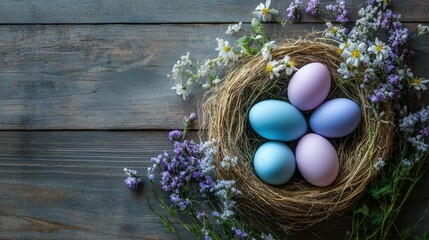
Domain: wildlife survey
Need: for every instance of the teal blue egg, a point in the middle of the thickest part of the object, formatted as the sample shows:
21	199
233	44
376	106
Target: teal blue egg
336	118
274	163
277	120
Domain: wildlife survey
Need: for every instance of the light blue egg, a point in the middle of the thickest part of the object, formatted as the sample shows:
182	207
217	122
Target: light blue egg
274	163
277	120
336	118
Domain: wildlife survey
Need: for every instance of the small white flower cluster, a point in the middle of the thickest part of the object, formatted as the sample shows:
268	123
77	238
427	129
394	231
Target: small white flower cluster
263	11
225	190
208	150
234	28
422	30
179	72
228	162
379	164
369	21
267	236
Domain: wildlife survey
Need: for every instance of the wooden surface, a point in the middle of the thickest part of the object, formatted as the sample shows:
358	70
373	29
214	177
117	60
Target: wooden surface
102	65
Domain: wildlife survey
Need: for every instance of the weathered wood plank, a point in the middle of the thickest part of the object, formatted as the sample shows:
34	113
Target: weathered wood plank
109	76
165	11
69	185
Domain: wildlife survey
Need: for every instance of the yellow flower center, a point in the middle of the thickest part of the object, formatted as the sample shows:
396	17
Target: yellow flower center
269	68
340	51
265	10
334	30
355	53
385	1
417	80
378	48
226	48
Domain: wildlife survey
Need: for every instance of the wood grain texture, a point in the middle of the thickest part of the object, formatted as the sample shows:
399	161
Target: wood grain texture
69	185
166	11
110	76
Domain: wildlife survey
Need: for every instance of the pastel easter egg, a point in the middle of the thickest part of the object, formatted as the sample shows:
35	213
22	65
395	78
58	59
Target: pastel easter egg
309	86
336	118
317	160
274	163
277	120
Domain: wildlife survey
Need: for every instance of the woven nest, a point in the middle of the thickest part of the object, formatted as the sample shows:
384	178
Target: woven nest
297	204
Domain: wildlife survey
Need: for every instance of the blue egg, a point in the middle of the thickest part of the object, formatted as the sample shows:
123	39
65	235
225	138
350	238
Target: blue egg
336	118
277	120
274	163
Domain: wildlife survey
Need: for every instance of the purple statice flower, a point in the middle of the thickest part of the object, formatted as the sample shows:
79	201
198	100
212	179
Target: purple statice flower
292	10
183	204
239	233
426	131
201	216
393	79
371	2
415	122
399	35
175	135
206	184
339	10
183	168
313	7
133	178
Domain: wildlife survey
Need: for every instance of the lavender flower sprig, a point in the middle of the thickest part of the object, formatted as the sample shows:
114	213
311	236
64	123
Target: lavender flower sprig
313	7
133	180
339	10
187	176
293	10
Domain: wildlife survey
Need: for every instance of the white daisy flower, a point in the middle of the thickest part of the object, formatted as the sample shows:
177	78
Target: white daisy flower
273	68
343	46
419	83
266	50
355	54
181	90
263	11
333	31
289	65
344	71
234	28
380	49
225	50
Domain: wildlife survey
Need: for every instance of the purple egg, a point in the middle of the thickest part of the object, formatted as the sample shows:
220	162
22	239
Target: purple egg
317	160
309	86
336	118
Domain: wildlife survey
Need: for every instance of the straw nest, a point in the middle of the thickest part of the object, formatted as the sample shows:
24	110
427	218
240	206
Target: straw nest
297	204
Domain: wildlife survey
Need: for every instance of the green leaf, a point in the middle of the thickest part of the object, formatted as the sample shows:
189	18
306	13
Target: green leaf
381	191
244	41
376	218
257	27
363	210
406	233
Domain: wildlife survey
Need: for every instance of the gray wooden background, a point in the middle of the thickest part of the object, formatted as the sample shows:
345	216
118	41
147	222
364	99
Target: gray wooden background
84	93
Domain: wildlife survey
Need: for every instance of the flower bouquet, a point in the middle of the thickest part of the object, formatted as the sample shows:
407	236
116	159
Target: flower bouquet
374	154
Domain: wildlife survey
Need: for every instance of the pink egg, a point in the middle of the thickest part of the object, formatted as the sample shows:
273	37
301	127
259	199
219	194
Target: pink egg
317	160
309	86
